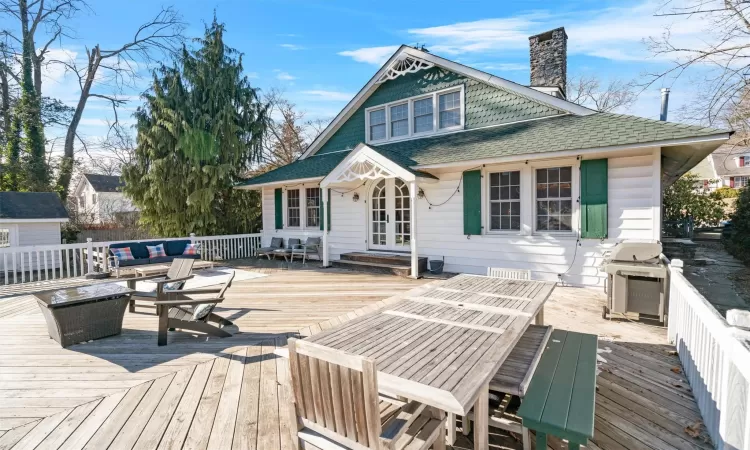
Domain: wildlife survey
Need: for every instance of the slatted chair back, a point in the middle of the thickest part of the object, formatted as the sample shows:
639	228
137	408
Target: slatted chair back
202	312
180	268
277	242
336	394
513	274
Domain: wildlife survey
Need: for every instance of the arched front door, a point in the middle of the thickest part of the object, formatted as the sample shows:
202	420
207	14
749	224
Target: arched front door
390	215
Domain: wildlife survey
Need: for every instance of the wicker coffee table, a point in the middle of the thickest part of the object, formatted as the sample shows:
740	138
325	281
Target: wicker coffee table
84	313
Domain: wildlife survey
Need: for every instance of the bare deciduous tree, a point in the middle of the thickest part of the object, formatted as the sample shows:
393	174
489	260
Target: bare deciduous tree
721	55
115	69
289	133
113	152
587	91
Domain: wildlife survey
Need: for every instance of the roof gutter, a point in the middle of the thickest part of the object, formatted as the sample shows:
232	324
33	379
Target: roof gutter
563	153
255	187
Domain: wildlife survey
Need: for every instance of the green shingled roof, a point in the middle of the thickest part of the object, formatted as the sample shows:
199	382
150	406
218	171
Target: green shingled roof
554	134
312	167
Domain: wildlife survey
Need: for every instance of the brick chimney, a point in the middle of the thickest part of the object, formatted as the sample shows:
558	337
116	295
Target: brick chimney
548	53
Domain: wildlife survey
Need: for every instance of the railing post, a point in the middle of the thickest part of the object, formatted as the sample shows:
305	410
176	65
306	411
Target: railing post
673	307
192	238
89	256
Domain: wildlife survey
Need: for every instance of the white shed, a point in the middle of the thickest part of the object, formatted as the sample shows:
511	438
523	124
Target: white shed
30	218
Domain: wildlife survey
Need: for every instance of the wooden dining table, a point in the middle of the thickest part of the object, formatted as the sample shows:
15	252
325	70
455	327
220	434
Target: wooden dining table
443	342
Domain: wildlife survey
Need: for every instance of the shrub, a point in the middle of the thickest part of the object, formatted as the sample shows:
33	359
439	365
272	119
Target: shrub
725	192
681	200
738	242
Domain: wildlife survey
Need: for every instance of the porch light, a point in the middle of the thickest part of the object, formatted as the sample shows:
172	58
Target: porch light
355	197
420	193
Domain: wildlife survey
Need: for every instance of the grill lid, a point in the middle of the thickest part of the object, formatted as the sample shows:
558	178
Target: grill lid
635	250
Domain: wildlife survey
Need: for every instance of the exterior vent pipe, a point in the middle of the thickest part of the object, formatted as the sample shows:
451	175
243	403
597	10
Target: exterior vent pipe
664	104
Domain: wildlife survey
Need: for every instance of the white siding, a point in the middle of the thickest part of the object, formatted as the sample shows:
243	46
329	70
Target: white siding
30	234
633	210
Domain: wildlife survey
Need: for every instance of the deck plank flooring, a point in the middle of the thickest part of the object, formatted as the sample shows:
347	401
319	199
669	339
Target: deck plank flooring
124	392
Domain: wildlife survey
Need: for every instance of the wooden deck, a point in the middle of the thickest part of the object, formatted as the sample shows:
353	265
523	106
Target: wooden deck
125	392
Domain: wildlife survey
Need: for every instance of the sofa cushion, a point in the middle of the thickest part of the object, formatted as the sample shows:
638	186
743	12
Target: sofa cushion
189	256
156	251
122	253
175	248
134	262
161	260
139	250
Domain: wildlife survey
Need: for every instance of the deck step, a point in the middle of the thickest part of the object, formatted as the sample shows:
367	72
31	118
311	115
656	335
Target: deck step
384	258
372	267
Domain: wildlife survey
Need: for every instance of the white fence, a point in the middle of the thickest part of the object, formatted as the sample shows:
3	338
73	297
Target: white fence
716	359
51	262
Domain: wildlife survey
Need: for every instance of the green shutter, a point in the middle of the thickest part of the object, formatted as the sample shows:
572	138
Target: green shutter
594	198
278	209
329	211
473	202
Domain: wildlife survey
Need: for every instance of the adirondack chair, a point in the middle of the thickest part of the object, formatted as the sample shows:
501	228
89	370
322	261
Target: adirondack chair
337	405
177	275
181	310
276	244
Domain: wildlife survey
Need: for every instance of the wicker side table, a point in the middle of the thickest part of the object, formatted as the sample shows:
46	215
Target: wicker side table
84	313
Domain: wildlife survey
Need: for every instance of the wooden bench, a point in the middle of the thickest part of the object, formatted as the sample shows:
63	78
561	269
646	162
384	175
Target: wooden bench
560	399
513	379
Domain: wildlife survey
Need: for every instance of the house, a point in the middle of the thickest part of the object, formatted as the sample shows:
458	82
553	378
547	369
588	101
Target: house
434	159
732	165
99	199
30	218
708	179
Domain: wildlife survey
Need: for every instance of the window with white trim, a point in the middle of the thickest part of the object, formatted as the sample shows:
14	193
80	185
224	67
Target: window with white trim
740	182
400	120
422	115
377	124
505	201
4	237
554	201
450	110
292	208
313	207
438	112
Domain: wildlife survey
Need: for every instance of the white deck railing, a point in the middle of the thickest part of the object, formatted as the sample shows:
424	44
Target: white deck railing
50	262
716	359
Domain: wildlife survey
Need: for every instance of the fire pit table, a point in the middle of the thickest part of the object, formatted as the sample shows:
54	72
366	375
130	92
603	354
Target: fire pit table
84	313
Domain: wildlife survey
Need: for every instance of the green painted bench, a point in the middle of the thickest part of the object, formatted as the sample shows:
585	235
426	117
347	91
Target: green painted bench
560	399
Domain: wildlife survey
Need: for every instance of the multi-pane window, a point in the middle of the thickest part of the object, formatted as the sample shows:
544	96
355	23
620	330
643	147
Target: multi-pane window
400	120
423	115
313	207
4	237
449	106
554	201
740	182
505	201
292	208
377	124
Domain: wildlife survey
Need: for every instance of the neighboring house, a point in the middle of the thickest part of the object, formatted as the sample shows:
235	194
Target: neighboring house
99	199
732	165
29	218
708	179
440	160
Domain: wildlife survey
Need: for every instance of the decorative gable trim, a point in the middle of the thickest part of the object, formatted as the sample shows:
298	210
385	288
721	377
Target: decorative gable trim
406	52
364	164
403	65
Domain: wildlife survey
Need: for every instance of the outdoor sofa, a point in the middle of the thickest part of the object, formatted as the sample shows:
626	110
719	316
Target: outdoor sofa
173	249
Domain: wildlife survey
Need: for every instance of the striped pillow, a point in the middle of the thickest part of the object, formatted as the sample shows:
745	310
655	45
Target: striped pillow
156	251
122	254
191	249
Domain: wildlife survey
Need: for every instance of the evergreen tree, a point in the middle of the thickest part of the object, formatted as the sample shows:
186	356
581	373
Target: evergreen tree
200	129
738	242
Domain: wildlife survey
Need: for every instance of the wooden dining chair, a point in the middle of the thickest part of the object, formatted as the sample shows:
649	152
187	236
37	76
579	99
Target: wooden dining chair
337	405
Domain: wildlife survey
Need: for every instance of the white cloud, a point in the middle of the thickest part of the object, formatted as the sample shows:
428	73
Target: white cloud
479	36
252	75
371	55
291	46
284	76
334	96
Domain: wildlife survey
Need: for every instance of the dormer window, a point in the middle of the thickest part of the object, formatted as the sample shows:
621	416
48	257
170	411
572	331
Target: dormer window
419	116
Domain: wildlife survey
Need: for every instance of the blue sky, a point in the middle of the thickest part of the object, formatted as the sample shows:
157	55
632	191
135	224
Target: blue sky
320	53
